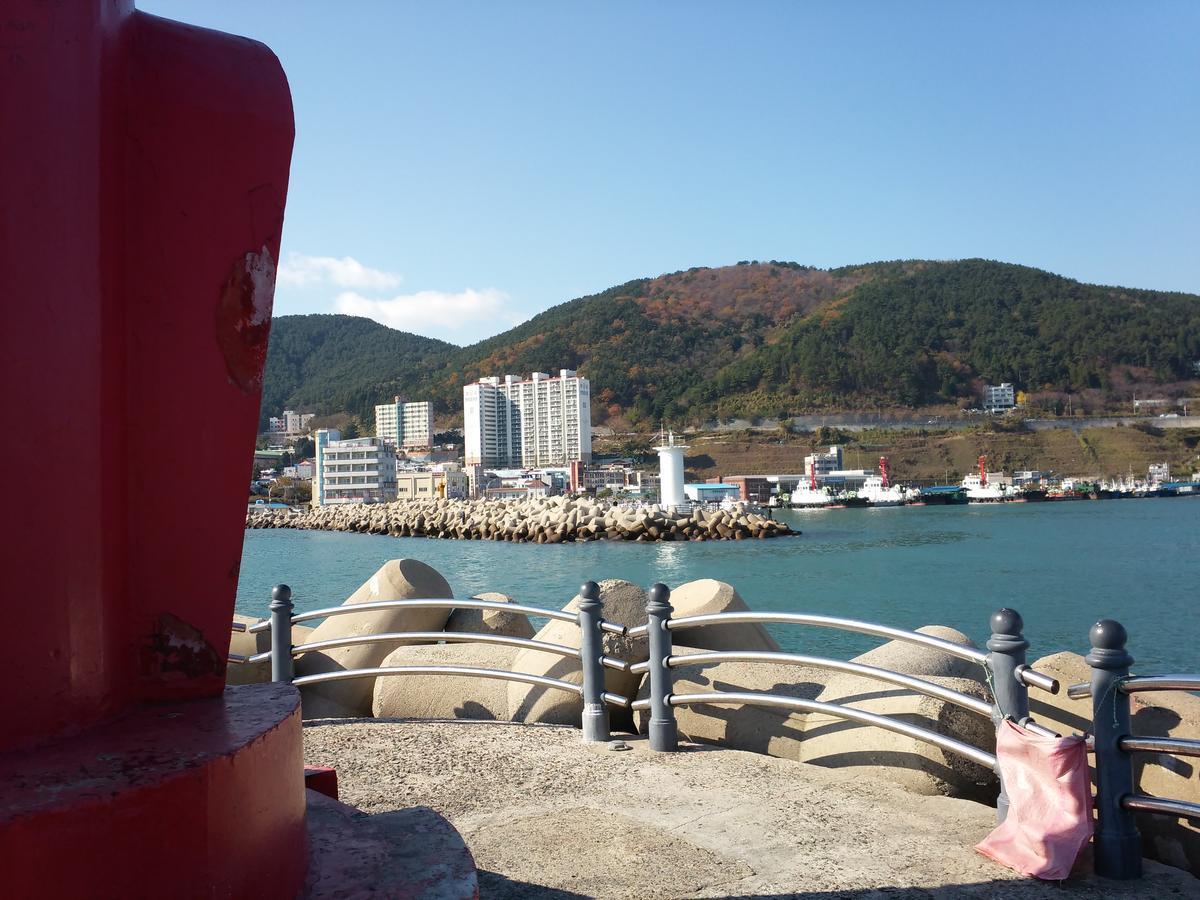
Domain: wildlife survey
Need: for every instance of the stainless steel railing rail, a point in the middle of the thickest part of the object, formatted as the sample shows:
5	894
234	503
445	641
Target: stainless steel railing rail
1027	675
469	671
752	698
449	637
975	704
439	603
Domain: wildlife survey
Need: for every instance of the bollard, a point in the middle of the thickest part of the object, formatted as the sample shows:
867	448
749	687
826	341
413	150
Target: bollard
664	735
1118	846
591	649
1010	696
281	633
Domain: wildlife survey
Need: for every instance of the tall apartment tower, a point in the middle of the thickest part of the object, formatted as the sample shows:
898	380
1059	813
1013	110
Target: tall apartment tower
408	426
515	423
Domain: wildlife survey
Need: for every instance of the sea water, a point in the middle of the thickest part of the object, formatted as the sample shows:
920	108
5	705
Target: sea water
1061	565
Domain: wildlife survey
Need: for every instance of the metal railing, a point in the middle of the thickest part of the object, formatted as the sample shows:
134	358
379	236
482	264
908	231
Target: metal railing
1118	841
592	627
1118	845
1004	668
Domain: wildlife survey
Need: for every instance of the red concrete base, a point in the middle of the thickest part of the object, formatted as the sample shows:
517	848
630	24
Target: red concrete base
409	854
198	799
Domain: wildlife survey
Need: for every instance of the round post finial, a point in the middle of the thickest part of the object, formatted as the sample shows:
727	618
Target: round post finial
1108	637
659	598
1007	621
281	596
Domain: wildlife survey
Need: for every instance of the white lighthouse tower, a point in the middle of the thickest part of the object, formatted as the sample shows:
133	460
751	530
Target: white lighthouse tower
670	472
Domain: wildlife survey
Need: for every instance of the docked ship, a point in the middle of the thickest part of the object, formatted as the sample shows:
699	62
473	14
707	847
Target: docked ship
877	491
809	496
982	489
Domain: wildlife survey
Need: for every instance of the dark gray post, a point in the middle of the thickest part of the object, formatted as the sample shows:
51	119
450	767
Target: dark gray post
664	735
1118	846
591	647
1010	695
281	633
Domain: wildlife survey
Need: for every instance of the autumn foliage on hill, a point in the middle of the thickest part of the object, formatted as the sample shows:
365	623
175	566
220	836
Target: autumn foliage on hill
769	339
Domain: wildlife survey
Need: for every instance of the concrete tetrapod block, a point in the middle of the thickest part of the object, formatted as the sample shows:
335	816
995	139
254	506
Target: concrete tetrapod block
490	621
1176	714
625	604
248	644
444	696
706	596
760	729
397	579
915	765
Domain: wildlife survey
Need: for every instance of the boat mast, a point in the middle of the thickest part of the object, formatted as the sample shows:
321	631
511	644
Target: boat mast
983	470
883	471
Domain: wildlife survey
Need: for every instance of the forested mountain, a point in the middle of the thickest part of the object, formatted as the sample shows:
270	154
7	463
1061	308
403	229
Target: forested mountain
771	338
328	363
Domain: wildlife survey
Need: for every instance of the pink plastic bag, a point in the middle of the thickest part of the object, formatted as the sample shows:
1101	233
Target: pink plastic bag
1050	803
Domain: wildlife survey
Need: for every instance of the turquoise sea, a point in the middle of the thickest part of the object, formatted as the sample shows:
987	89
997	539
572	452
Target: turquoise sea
1062	565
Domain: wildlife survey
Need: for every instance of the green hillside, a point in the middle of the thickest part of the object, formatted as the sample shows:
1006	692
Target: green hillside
766	339
328	363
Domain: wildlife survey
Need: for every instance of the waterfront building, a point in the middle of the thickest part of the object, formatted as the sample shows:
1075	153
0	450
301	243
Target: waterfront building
354	471
1158	473
709	493
539	421
432	485
290	423
408	426
999	397
752	488
301	471
525	490
818	466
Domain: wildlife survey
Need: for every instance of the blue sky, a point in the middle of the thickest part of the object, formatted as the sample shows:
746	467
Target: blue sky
462	166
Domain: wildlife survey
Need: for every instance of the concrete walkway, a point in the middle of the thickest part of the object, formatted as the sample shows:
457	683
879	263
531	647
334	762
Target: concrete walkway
549	817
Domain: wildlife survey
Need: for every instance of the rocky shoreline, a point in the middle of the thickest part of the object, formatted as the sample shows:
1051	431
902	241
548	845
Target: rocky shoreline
554	520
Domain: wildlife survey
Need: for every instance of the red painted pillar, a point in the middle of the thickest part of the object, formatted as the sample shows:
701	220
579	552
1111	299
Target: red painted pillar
144	168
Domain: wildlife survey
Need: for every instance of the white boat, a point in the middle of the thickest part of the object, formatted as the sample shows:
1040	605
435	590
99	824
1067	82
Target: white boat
807	497
981	490
877	492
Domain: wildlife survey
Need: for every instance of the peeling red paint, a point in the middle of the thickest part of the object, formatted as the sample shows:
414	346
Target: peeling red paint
244	318
176	649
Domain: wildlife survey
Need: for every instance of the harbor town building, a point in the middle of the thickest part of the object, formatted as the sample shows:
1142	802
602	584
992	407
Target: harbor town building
360	470
999	397
525	423
408	426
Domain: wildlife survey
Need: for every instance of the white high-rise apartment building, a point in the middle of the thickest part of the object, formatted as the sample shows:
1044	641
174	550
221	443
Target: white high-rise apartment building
407	425
515	423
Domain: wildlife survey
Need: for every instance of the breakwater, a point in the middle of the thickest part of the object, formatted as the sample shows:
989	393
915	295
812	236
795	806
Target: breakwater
553	520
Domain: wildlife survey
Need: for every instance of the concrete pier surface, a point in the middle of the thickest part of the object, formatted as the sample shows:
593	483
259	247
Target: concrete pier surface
547	816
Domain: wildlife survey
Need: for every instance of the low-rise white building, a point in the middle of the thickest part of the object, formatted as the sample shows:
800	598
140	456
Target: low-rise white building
290	423
999	397
360	470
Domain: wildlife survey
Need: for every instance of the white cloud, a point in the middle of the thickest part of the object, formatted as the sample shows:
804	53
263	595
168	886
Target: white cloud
300	270
465	316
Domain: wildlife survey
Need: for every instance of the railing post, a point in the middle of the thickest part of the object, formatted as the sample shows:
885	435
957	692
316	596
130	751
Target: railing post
1010	696
664	734
1118	846
281	633
591	646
